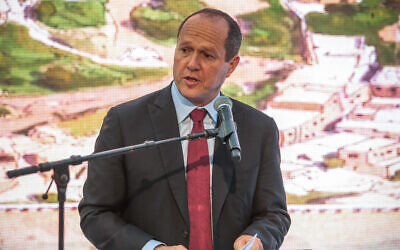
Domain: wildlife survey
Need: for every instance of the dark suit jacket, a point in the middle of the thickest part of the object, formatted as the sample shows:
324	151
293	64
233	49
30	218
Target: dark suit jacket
133	198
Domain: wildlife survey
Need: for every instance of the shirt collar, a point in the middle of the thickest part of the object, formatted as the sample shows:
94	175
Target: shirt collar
184	107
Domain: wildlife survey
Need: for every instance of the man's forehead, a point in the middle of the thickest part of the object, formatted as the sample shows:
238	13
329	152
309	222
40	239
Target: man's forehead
208	20
208	27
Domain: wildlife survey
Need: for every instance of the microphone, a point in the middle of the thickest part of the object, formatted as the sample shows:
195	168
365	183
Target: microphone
227	129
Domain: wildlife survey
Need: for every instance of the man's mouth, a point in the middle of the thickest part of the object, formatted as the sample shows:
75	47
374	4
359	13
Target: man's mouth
192	79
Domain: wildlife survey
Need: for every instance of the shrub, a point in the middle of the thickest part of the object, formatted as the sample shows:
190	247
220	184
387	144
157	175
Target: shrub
333	162
162	24
51	198
364	19
274	33
4	111
85	125
348	9
157	24
314	197
231	89
28	67
65	75
396	176
62	14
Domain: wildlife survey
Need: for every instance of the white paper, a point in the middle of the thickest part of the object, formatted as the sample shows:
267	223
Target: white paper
249	244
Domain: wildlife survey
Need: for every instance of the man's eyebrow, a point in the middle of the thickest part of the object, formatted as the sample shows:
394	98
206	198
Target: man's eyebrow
186	43
204	49
210	50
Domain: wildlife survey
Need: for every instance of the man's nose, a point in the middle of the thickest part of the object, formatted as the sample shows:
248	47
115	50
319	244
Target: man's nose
194	63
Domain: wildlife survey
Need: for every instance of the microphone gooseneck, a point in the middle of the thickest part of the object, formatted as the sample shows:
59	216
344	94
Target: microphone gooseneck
227	129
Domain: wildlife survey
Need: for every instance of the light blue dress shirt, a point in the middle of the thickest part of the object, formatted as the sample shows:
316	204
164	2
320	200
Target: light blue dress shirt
183	108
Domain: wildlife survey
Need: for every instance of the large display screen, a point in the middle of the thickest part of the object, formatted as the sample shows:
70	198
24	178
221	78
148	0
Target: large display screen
327	71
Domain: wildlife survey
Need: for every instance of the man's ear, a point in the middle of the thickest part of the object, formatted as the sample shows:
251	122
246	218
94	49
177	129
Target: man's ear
233	63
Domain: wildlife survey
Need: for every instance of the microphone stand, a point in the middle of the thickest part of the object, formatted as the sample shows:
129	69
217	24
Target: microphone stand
61	169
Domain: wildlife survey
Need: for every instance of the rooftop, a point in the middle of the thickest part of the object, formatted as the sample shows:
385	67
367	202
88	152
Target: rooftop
317	149
370	144
351	88
388	75
288	118
388	115
334	180
383	100
373	125
391	162
295	153
338	140
365	111
338	45
394	168
302	95
329	75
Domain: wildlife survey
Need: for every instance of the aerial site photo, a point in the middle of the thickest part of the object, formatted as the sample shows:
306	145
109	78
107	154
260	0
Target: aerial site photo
326	71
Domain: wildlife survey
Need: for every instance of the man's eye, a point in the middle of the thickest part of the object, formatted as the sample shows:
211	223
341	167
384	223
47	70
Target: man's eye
208	56
184	50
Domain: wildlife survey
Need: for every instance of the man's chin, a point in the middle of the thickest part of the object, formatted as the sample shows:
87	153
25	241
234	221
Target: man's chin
191	96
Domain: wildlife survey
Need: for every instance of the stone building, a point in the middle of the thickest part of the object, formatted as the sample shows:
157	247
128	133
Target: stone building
386	82
304	114
372	156
373	122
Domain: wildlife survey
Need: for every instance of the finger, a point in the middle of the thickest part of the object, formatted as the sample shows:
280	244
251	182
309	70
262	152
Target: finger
257	245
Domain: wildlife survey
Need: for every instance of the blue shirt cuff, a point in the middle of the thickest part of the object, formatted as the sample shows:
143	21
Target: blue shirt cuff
151	244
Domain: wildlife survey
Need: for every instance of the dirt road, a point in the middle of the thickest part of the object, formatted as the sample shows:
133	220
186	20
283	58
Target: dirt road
125	36
30	111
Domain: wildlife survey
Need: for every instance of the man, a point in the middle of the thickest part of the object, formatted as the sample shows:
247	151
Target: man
147	199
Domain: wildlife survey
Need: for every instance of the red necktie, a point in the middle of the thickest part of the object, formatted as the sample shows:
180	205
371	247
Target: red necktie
198	187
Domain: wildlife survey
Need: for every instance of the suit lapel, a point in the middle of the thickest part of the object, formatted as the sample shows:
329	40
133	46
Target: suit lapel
163	117
222	177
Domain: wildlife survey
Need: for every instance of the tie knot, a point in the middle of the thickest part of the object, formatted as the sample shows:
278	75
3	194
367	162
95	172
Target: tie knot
197	115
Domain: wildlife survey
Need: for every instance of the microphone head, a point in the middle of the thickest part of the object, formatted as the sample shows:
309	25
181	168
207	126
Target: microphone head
221	101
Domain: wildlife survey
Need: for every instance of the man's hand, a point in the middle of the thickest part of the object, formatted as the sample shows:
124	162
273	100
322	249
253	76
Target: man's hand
243	239
162	247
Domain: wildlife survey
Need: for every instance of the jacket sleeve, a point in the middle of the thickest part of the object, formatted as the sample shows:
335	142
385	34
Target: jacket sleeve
104	195
270	219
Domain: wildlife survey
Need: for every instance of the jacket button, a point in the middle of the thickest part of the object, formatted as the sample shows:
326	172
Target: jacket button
185	234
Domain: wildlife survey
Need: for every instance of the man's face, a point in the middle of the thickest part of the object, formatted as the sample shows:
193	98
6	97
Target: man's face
199	60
